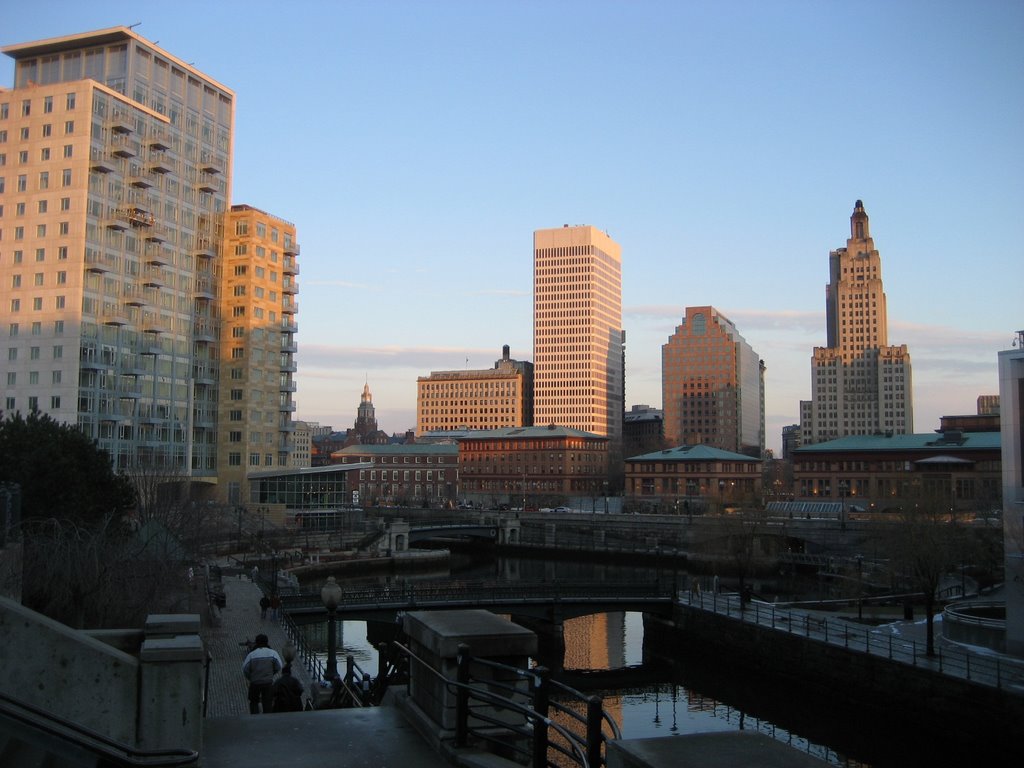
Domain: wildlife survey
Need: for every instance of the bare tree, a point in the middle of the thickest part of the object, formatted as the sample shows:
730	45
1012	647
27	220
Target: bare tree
925	543
100	575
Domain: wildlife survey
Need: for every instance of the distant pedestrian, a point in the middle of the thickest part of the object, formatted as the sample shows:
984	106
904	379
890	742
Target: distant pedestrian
367	684
275	607
255	573
259	669
715	584
264	605
287	692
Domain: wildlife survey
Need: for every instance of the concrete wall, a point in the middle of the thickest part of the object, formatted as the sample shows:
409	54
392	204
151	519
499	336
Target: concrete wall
150	701
921	695
67	672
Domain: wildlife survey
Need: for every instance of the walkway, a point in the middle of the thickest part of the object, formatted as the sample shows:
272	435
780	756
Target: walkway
237	622
342	738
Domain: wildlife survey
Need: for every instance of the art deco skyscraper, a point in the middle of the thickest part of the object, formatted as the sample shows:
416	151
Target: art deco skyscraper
577	332
712	384
859	384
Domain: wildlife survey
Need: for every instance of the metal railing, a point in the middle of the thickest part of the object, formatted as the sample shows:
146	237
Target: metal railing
106	751
984	669
482	593
481	700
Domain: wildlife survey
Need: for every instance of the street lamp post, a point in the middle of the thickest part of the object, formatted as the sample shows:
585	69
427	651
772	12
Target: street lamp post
860	587
330	594
843	488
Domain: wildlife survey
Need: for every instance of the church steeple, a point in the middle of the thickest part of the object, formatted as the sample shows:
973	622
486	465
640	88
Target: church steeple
366	418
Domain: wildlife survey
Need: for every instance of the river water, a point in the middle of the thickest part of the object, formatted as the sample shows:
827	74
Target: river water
679	696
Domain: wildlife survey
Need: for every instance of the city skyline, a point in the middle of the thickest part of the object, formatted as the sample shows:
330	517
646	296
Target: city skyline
721	148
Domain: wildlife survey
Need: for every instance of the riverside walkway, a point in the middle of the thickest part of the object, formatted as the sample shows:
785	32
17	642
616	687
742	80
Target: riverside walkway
342	738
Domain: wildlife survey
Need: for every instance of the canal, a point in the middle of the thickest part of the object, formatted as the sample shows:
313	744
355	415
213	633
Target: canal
659	693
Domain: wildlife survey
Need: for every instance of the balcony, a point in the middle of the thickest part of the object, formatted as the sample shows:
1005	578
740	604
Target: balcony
289	326
140	182
159	143
205	289
290	266
286	386
97	262
211	166
103	165
153	276
134	295
114	315
135	215
161	164
286	426
290	287
124	147
207	183
159	257
289	345
207	376
205	418
288	367
129	391
204	332
157	234
121	124
154	325
288	407
204	248
289	306
291	249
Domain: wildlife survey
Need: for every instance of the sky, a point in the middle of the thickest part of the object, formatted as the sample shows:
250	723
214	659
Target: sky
418	145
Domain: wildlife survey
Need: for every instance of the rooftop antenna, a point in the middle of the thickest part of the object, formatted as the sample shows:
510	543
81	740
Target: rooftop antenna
133	26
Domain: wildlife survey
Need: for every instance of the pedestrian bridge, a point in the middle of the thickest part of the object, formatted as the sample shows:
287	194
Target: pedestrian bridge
551	601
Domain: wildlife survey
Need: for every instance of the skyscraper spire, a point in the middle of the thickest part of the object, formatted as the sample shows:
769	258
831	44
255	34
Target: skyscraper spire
860	385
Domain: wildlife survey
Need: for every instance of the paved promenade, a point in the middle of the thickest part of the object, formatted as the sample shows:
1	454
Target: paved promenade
237	622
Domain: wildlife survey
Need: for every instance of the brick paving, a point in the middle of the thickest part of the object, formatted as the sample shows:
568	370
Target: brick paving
239	620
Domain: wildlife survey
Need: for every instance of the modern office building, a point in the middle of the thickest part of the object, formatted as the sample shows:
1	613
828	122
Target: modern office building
258	306
115	182
578	341
712	385
859	384
1011	413
491	398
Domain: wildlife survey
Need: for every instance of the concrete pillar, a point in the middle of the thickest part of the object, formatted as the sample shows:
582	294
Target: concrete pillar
171	683
435	637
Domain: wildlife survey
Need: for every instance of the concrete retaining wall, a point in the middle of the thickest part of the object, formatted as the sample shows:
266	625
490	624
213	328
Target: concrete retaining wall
920	695
67	672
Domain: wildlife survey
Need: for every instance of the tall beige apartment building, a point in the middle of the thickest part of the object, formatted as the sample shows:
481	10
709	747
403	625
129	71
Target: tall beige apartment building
578	340
115	182
491	398
712	385
257	355
859	384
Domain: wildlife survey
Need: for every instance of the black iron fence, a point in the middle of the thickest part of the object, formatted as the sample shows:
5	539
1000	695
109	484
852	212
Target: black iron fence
990	669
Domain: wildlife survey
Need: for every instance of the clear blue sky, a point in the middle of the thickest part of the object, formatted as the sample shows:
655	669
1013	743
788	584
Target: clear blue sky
417	145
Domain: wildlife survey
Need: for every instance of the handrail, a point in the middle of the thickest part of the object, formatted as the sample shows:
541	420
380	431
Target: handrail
565	689
982	669
110	751
575	748
487	591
